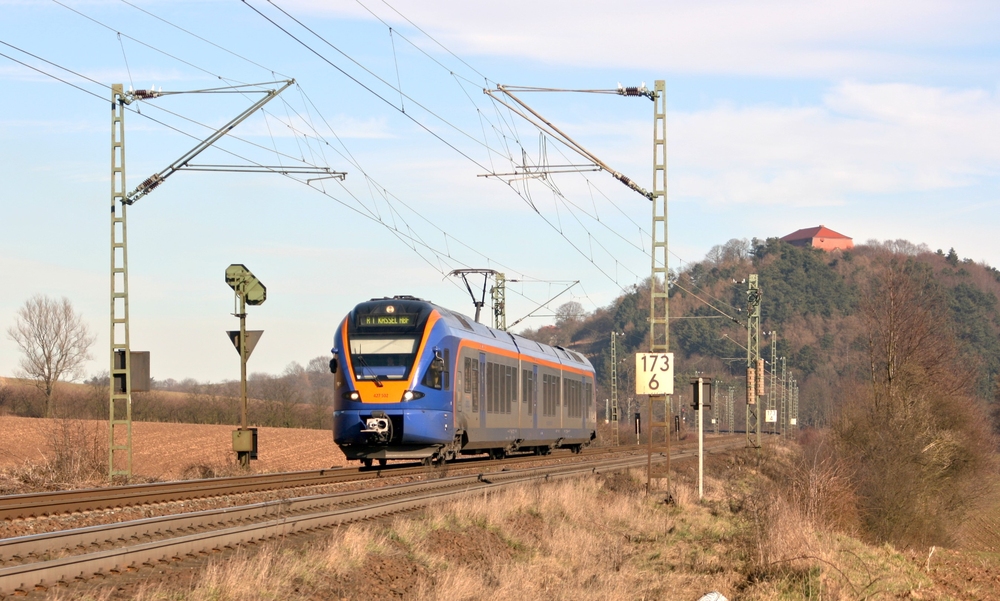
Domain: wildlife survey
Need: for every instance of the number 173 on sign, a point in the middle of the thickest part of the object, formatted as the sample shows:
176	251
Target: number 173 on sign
654	373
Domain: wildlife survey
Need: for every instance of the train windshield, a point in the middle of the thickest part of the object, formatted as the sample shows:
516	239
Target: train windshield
383	357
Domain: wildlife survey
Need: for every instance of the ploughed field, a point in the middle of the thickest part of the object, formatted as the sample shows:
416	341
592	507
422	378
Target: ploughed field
161	451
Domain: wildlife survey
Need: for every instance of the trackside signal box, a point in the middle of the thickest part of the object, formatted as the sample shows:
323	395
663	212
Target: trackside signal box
139	364
245	441
706	393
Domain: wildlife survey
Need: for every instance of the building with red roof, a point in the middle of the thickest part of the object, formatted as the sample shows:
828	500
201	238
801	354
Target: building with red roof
820	237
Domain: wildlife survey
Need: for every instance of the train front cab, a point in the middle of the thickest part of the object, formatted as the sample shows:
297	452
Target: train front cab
393	394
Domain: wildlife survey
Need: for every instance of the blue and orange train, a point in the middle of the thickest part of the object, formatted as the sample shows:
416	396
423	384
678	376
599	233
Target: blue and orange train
417	381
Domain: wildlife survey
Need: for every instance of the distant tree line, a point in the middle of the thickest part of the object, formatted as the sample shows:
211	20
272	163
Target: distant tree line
300	397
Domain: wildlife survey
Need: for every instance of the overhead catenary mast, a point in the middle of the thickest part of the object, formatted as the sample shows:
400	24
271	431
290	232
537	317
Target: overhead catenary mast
755	365
121	371
659	299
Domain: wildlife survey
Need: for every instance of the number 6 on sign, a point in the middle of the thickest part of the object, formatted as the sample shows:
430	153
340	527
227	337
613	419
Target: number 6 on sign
654	373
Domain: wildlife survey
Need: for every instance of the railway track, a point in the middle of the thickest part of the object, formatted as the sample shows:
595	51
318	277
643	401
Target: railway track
71	501
37	562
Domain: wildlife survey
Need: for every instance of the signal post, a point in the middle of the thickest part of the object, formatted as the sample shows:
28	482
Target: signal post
249	291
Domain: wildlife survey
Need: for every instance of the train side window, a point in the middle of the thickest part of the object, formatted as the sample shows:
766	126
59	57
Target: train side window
560	398
432	377
545	394
489	388
473	377
468	372
508	382
497	380
437	375
511	388
568	396
446	374
504	388
527	386
550	395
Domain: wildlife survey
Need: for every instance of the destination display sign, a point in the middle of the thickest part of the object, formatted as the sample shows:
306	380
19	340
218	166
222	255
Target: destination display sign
387	321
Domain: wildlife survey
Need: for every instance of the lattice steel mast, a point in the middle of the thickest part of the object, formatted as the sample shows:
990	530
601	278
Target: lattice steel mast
755	376
659	301
499	296
120	405
121	384
614	389
771	391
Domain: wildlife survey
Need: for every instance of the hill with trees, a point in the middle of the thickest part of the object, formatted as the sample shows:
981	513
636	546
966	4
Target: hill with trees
811	308
896	354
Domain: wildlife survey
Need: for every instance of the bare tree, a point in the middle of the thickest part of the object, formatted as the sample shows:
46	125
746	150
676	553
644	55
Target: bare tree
570	312
54	340
917	441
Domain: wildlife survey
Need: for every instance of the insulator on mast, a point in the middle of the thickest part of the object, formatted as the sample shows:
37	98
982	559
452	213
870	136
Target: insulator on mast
635	91
145	94
145	188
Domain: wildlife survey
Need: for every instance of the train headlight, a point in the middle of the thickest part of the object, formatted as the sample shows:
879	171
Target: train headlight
412	395
352	395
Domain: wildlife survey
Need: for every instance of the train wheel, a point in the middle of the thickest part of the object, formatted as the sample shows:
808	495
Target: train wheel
382	462
426	461
367	462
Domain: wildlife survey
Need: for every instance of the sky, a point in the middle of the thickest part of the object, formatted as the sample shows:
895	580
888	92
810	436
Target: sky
879	120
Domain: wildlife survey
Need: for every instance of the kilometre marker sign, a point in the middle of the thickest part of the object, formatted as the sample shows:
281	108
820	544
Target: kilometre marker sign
654	373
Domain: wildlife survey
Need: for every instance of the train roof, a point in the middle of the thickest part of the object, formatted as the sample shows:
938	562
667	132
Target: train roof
465	325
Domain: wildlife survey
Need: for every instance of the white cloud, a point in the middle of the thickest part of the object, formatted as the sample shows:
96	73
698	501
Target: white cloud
862	139
834	38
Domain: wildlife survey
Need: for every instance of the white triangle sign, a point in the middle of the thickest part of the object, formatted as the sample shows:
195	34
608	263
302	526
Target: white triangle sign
252	337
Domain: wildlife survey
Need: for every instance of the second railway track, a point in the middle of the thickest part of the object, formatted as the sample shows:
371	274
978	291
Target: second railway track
43	560
70	501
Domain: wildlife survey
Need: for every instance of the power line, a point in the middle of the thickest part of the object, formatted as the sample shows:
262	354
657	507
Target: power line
359	82
412	236
408	115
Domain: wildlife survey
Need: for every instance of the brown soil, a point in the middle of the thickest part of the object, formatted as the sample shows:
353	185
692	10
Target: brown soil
475	546
164	451
959	575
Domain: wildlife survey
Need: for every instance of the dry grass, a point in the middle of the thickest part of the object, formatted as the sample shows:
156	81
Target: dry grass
77	458
598	538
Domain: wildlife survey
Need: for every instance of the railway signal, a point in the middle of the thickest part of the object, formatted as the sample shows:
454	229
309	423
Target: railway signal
249	291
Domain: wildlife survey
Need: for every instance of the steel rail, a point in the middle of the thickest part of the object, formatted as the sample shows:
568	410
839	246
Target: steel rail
59	502
24	578
51	543
313	513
